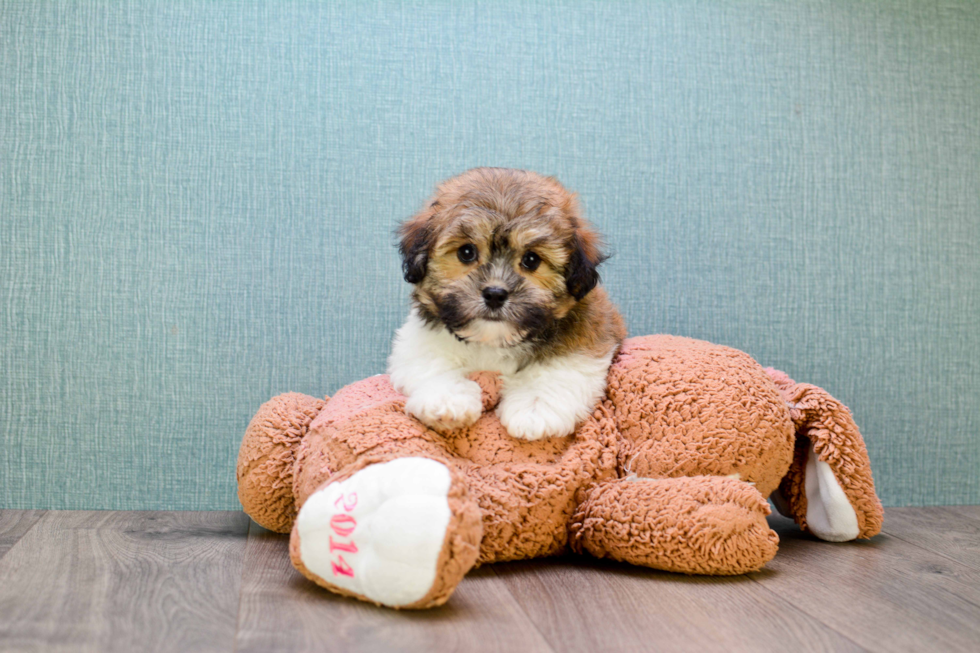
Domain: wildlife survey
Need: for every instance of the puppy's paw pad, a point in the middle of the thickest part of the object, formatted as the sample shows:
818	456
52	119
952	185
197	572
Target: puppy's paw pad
447	407
533	419
379	533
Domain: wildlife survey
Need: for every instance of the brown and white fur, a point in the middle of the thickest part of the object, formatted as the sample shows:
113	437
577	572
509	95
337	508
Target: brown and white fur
504	269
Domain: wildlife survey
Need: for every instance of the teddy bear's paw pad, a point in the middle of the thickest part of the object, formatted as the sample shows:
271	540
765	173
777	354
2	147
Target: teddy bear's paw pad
380	532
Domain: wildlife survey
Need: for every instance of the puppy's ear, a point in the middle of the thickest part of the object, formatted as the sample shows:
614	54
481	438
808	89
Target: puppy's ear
581	275
416	239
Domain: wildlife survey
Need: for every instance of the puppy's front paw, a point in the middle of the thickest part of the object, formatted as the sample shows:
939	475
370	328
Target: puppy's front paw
446	406
529	417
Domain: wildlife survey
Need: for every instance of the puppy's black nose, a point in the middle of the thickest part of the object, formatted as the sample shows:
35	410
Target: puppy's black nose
495	296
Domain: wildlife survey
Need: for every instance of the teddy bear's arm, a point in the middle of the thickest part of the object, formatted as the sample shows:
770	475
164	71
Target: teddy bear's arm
267	455
693	525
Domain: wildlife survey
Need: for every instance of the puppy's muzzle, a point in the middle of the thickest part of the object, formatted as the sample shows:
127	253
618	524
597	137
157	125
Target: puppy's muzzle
495	296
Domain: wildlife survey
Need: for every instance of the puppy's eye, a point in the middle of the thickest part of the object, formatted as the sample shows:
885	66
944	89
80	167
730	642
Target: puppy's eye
467	253
530	261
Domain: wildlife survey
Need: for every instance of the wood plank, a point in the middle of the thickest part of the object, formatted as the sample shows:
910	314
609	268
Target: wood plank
170	581
123	581
966	512
13	525
952	532
884	593
584	604
282	611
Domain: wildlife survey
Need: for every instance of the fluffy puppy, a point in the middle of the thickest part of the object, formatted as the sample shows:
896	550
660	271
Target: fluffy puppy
504	269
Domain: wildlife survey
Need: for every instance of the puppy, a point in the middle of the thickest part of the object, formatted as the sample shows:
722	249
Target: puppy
504	269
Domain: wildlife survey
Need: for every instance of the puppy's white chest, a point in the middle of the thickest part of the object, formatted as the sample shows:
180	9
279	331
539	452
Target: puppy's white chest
476	357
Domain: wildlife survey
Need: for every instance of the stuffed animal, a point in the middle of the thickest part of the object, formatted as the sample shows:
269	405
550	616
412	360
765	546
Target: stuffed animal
671	471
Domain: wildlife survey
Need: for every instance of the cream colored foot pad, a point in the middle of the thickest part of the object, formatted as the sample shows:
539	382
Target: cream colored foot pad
829	514
379	533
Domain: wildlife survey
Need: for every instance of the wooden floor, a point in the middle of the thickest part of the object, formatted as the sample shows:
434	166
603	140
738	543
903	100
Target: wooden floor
213	581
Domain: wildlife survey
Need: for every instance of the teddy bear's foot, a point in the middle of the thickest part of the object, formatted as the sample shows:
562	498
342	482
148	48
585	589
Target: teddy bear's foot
828	489
400	533
693	525
828	513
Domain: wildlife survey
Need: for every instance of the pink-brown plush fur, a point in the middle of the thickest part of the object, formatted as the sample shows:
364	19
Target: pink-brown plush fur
671	470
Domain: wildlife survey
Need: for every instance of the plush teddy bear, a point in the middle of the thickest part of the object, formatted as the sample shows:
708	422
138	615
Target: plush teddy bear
671	471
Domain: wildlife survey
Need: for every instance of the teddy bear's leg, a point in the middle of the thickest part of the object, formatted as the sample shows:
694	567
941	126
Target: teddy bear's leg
266	456
694	525
828	489
401	533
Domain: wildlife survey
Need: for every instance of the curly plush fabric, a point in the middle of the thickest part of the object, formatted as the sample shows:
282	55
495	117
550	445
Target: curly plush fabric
827	424
671	471
687	407
267	456
695	525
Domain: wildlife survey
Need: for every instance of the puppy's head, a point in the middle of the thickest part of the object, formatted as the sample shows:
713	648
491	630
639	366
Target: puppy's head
499	255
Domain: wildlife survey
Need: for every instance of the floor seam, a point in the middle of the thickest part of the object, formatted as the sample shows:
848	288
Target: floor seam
803	610
503	582
933	551
241	587
44	513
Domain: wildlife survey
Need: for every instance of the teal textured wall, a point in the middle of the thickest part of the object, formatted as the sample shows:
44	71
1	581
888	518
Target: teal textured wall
197	203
